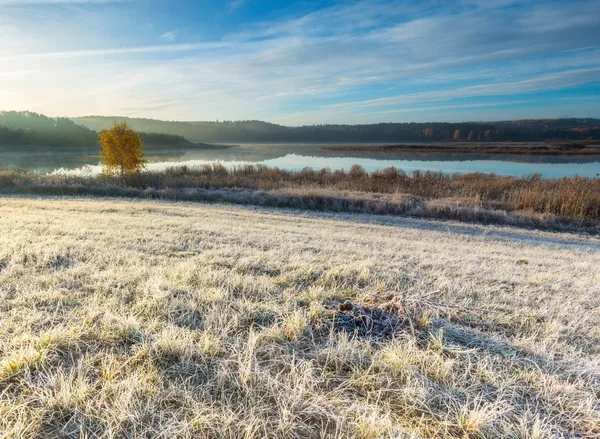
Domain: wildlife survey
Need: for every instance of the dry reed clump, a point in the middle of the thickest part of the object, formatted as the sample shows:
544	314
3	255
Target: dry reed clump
182	320
564	203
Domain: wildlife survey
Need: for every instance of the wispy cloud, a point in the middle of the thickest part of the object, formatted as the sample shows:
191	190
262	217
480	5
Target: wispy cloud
170	36
55	2
369	58
546	82
163	48
235	4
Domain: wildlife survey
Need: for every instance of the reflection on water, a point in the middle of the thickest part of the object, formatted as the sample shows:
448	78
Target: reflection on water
298	156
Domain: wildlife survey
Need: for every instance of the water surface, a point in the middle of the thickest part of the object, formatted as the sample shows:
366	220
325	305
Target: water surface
299	156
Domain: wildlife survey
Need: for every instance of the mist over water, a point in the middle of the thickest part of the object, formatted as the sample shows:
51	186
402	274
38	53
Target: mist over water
84	161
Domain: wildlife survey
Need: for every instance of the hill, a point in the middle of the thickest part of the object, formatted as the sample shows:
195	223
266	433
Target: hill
28	128
257	131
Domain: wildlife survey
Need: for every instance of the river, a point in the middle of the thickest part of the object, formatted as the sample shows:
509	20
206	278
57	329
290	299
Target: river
298	156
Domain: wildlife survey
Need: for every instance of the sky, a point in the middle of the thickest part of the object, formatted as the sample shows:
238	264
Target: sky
302	62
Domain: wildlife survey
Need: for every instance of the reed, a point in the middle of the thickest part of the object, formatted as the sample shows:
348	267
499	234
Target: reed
564	200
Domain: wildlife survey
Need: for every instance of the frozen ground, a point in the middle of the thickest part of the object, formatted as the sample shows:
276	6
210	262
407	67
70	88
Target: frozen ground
159	319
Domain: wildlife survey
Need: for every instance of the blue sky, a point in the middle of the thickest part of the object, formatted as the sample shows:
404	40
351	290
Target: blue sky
302	62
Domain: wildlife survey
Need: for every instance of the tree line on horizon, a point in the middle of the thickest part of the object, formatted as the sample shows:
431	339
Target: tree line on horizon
29	128
259	131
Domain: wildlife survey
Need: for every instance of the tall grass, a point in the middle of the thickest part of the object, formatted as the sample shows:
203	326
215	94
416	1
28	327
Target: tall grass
574	199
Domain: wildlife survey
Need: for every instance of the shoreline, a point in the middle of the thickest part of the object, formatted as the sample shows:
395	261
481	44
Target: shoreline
492	148
565	204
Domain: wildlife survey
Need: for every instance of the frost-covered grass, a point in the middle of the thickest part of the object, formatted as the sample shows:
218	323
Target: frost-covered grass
155	319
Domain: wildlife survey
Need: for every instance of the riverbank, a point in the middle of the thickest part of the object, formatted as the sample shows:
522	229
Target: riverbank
569	148
568	204
141	318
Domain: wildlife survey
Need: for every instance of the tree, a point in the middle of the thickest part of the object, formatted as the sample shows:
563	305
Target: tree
121	150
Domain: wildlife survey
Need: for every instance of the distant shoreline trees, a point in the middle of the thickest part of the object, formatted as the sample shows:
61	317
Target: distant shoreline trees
28	128
257	131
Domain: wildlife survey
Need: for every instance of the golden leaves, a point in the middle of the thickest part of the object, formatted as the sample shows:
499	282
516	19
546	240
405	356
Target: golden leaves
121	150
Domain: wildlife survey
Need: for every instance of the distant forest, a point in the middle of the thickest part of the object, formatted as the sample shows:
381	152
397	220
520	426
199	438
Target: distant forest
257	131
28	128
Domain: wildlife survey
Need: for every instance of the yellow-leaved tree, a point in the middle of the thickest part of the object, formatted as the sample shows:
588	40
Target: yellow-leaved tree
121	150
